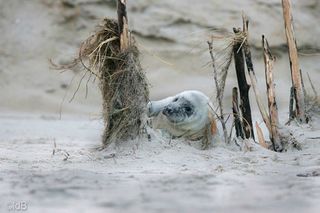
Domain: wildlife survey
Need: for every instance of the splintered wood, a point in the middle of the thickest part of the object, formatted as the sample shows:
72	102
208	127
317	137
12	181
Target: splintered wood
294	63
272	104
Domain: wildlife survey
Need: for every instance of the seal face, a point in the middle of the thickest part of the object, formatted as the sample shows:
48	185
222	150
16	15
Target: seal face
178	110
186	114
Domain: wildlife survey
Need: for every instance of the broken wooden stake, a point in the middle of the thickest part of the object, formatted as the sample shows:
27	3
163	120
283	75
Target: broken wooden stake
294	63
272	104
243	88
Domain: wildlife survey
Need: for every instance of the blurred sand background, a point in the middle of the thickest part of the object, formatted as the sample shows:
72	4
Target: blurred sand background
171	36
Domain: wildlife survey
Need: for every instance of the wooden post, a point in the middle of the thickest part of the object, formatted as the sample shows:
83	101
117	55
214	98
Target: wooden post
243	88
123	24
236	114
294	62
272	104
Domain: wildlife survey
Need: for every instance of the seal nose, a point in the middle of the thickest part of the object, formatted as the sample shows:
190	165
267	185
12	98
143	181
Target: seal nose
168	111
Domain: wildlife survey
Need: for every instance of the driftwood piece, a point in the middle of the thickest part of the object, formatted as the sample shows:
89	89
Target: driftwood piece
272	104
243	88
236	114
294	63
123	24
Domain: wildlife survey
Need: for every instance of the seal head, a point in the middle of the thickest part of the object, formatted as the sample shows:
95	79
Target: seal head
186	114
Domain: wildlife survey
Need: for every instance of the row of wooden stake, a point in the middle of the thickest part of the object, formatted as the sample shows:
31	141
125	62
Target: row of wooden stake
242	114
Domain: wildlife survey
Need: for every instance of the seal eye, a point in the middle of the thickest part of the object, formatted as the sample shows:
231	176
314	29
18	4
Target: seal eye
188	109
175	100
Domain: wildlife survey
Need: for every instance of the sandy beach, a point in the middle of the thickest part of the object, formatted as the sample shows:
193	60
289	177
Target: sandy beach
49	134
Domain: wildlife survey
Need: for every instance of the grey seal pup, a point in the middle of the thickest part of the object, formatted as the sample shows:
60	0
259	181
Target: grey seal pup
187	114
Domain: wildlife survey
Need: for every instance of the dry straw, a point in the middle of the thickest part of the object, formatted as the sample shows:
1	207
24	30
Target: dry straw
122	81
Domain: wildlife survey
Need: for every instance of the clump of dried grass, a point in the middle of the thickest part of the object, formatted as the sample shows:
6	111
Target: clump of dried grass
122	81
222	54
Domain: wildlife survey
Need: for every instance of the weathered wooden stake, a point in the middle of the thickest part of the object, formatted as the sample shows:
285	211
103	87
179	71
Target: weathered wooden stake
243	88
294	63
272	104
236	114
123	24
